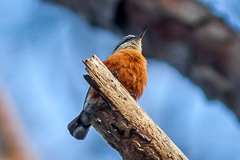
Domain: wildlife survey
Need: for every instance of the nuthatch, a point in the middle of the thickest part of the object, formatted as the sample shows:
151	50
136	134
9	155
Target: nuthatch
131	68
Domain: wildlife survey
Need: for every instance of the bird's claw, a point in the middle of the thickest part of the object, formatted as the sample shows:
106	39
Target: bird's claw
115	74
131	93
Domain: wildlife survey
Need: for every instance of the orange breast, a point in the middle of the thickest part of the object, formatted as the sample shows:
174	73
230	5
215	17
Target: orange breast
131	67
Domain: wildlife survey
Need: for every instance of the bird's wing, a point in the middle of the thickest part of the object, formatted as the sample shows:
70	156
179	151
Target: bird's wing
87	95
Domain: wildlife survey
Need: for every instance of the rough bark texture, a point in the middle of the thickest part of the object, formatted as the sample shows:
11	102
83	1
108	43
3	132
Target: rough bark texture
12	146
124	125
183	33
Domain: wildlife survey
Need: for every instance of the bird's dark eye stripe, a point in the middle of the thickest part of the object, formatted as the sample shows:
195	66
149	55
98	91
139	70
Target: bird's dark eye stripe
128	39
124	41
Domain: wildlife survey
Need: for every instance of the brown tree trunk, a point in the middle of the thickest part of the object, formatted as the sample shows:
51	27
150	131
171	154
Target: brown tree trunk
124	125
183	33
12	145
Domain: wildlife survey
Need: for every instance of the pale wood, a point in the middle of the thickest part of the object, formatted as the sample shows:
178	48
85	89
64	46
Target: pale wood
124	125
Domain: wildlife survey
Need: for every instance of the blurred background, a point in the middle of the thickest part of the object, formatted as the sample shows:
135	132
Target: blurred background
193	94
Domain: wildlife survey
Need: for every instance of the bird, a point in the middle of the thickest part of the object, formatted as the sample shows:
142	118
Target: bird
129	66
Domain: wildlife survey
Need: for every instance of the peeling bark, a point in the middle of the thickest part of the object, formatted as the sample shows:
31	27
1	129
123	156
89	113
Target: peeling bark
124	125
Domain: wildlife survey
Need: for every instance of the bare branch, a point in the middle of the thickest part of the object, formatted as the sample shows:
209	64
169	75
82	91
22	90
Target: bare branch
124	125
12	145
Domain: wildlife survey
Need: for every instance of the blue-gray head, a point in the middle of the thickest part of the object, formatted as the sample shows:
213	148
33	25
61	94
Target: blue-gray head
131	41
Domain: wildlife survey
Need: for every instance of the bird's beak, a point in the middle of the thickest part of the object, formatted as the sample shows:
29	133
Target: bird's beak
140	36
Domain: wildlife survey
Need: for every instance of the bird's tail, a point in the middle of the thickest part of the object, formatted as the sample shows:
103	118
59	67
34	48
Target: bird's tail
79	126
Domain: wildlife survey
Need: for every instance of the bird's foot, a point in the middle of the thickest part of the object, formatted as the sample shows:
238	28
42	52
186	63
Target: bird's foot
115	74
131	93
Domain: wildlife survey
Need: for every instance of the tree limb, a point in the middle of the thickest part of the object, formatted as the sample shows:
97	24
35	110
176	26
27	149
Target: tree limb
12	145
124	125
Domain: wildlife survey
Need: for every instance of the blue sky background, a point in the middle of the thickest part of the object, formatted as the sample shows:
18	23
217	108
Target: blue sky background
41	51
